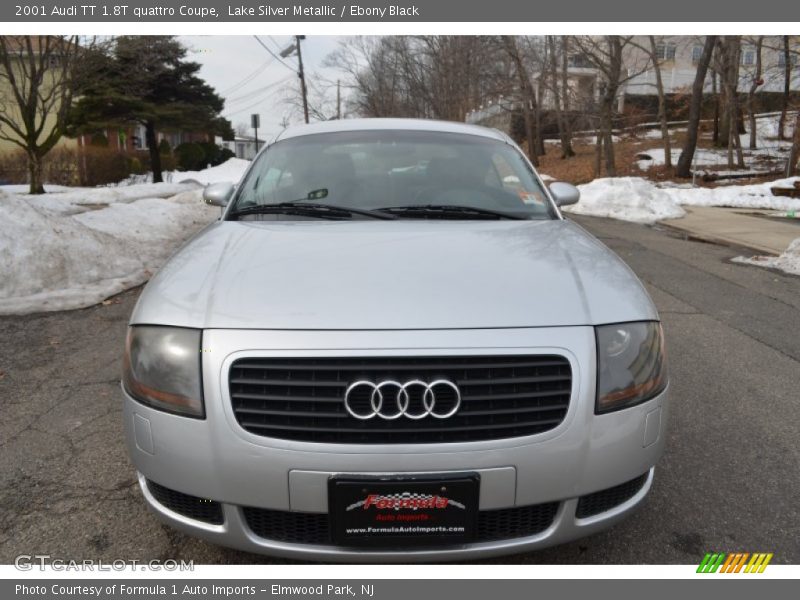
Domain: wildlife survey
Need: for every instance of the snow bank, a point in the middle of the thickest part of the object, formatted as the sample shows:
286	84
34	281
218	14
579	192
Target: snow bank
74	247
737	196
642	201
626	198
789	261
231	170
58	252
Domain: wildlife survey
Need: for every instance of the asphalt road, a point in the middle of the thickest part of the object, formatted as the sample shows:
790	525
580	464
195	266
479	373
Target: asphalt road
730	479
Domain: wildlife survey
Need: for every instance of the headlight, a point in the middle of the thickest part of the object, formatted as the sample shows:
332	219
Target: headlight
631	366
161	368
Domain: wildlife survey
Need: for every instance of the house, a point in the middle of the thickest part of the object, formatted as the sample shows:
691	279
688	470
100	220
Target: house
243	146
678	57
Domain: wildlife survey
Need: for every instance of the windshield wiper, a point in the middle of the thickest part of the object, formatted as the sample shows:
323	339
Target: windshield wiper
446	210
324	211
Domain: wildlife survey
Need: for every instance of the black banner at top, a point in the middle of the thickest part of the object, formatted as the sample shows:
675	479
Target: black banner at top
32	11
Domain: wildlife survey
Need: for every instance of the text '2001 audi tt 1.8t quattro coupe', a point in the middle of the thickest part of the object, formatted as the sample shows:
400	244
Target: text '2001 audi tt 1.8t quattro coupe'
392	347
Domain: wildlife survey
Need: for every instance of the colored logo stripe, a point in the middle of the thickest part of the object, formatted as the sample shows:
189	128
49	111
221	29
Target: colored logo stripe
735	562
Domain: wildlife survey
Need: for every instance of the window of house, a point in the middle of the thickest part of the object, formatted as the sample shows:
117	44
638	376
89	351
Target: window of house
792	58
579	61
665	51
748	55
697	53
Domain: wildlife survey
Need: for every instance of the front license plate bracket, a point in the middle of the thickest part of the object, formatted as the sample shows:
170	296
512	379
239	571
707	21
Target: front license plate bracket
403	510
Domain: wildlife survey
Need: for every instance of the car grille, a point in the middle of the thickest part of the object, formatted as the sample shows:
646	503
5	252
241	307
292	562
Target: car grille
303	398
314	528
200	509
599	502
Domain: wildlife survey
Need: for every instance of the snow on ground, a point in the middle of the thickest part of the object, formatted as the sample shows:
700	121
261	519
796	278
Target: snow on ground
757	195
643	201
231	170
77	246
626	198
789	261
771	153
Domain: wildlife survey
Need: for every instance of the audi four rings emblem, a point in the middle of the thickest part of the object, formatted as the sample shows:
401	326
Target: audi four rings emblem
391	400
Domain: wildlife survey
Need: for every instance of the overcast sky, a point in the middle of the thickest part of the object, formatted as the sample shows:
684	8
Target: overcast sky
252	81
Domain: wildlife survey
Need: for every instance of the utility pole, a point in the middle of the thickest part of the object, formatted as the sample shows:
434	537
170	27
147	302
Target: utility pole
255	123
298	38
338	100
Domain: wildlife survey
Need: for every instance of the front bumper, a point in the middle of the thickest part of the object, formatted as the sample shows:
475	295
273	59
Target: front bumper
214	458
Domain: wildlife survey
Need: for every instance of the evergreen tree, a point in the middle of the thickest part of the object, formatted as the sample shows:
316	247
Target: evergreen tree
147	80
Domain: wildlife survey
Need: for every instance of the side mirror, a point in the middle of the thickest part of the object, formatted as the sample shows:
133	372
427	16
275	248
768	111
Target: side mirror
218	194
564	193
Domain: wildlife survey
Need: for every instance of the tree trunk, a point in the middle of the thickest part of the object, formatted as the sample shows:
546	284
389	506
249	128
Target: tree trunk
36	185
537	115
730	56
751	96
690	145
560	96
529	107
787	83
611	165
598	151
155	155
715	92
794	154
730	52
662	105
530	133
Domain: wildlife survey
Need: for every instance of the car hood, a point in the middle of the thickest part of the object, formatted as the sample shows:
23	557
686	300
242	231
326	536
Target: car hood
404	274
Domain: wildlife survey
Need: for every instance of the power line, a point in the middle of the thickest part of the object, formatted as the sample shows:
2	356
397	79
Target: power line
259	101
274	43
250	95
248	78
275	56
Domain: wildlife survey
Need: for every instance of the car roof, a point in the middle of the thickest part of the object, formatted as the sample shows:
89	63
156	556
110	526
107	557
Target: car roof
390	124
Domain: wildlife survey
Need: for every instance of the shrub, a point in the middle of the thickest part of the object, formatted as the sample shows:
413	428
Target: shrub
60	167
99	166
99	139
190	156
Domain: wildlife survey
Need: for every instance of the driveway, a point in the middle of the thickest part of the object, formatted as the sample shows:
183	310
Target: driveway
729	480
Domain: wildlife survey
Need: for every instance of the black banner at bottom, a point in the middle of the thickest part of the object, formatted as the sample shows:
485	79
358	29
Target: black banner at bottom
391	589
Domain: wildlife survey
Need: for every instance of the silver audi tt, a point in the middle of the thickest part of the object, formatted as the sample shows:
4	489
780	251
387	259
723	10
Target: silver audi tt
393	347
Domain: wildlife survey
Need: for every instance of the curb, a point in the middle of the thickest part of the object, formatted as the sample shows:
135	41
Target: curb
718	240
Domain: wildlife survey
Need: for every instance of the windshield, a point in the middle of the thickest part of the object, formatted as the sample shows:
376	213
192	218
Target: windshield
390	170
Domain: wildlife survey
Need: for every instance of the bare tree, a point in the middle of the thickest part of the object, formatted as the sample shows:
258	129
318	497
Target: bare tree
794	154
787	85
729	55
559	86
36	79
751	93
690	145
727	61
441	77
528	99
606	54
652	50
242	129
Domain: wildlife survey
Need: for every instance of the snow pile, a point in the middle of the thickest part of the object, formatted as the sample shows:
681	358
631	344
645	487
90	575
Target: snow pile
789	261
63	251
231	170
626	198
758	195
642	201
